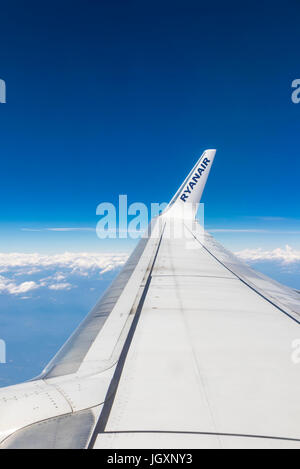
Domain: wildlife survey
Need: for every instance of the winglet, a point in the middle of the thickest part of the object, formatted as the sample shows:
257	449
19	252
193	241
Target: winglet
191	190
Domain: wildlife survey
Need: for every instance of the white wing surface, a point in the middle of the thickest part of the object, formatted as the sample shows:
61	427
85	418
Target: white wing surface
188	348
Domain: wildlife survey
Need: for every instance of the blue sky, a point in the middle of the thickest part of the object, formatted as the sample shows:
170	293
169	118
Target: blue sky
121	97
108	98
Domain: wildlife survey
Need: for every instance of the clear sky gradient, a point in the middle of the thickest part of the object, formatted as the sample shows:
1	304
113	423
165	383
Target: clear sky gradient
120	97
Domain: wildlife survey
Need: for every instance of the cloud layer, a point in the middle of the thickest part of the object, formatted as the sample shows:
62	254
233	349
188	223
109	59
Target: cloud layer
71	260
11	287
21	273
24	273
286	255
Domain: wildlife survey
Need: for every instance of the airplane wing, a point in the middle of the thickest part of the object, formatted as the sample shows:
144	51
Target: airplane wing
188	348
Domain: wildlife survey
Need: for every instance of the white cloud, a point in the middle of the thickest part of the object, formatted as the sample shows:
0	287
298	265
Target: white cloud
59	229
252	230
286	255
25	271
76	261
23	287
59	276
57	267
60	286
71	229
9	286
236	230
